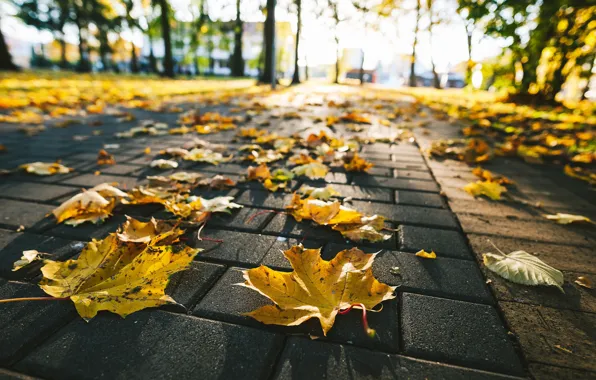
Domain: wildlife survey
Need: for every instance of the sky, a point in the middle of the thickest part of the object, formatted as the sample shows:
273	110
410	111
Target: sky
389	37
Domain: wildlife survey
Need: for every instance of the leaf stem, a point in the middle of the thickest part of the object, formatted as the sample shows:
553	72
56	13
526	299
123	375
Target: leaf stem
370	332
35	299
253	216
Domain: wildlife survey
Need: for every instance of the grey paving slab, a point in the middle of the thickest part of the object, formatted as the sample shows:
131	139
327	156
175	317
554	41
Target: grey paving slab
30	191
457	332
442	277
305	359
30	215
24	324
239	248
357	192
397	183
405	214
157	345
12	245
443	242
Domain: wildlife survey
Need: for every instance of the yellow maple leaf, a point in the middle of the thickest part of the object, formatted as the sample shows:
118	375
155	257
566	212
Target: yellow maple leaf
45	168
312	170
561	218
119	277
136	231
260	172
316	288
490	189
357	164
426	255
93	205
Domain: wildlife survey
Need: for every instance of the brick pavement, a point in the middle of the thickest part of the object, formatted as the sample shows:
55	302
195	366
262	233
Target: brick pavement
445	322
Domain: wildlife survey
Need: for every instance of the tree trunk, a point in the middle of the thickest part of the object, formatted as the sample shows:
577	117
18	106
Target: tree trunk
237	59
83	65
413	63
152	60
306	73
134	62
431	24
588	75
469	63
296	76
361	74
336	79
63	62
5	57
166	35
268	73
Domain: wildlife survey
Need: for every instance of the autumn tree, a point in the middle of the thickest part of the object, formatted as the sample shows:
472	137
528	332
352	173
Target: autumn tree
547	40
48	15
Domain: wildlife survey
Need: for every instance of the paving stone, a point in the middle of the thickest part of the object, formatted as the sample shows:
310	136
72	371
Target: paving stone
546	333
417	198
408	214
90	180
397	183
235	247
30	191
332	177
413	174
26	323
357	192
286	225
189	286
30	215
307	359
347	328
547	232
457	332
264	199
88	231
156	345
12	245
246	219
443	242
377	171
557	256
549	372
442	277
119	168
489	208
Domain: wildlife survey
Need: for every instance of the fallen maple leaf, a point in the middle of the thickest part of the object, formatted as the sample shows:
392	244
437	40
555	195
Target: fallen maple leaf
561	218
119	277
260	172
322	193
104	158
206	155
217	182
27	258
490	189
164	164
93	205
357	164
426	255
523	268
136	231
312	170
45	168
316	288
490	176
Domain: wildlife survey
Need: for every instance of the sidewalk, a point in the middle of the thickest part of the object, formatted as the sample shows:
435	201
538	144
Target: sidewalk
446	322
